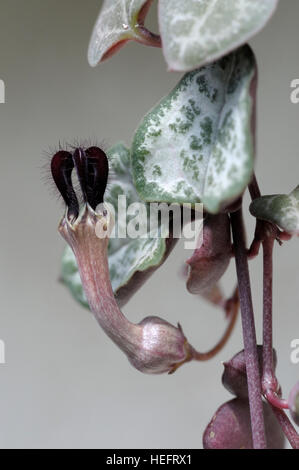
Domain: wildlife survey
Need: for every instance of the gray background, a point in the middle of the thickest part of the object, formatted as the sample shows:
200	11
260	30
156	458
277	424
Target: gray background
65	384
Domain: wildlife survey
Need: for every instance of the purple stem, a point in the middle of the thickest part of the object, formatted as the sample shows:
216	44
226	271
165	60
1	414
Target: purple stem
148	38
267	235
249	333
269	379
270	385
254	189
287	427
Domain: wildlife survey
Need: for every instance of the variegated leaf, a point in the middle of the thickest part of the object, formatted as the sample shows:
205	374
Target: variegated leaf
281	209
200	31
197	144
131	261
119	21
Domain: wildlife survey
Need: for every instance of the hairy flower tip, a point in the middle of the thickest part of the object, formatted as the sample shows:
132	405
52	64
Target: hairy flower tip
162	348
294	403
234	377
230	427
93	170
62	166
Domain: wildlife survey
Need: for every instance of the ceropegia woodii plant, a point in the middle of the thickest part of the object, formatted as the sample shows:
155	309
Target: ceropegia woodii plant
196	146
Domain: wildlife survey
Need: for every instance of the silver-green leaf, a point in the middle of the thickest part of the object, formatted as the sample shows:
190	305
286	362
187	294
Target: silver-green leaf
131	261
197	144
281	209
197	32
119	21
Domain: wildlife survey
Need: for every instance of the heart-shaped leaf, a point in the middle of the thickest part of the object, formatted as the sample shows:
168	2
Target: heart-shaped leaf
281	209
131	261
230	427
119	22
200	31
197	144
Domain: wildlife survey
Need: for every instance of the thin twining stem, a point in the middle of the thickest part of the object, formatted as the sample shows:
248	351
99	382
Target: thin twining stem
270	385
287	427
266	234
148	38
249	333
254	188
269	381
232	310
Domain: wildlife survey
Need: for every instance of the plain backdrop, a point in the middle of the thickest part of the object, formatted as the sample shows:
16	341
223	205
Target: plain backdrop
65	385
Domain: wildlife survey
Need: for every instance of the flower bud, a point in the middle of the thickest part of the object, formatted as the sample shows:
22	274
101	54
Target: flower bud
293	402
230	427
209	262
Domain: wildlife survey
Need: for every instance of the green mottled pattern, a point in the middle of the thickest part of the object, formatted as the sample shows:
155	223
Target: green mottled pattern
281	209
116	23
126	256
196	145
197	32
